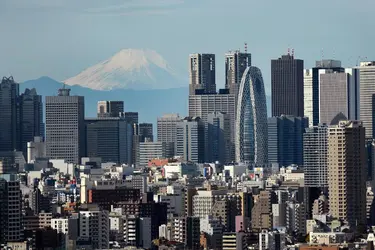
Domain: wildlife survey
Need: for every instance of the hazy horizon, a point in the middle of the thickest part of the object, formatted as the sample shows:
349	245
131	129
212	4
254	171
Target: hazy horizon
60	38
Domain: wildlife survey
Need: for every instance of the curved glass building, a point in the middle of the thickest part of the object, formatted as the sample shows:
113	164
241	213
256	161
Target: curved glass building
251	119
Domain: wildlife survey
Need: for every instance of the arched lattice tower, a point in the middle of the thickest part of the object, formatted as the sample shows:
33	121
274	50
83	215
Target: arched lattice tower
251	122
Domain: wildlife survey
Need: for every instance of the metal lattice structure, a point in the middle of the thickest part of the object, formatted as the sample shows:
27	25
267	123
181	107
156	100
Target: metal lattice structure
251	124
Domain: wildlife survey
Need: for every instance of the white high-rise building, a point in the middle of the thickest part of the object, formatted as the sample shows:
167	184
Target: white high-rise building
166	130
94	224
190	139
65	126
36	149
308	95
339	94
367	100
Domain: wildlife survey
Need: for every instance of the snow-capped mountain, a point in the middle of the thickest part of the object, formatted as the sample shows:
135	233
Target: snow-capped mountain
129	69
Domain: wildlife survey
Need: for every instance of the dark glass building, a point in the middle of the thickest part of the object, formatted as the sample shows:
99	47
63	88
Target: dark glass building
287	86
285	139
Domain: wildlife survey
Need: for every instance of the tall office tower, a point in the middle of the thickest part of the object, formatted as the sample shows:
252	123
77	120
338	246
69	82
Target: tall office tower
65	126
339	94
311	87
190	139
110	108
202	105
145	132
235	65
347	172
110	139
202	74
11	228
218	136
31	117
308	95
315	150
166	129
285	139
367	89
287	86
251	119
9	115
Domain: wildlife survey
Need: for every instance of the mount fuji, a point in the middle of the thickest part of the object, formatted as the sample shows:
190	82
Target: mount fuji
135	69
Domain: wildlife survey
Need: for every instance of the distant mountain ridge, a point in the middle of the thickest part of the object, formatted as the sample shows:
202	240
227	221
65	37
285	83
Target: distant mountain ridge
130	69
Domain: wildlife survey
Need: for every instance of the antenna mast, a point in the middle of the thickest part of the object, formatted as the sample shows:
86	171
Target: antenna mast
246	47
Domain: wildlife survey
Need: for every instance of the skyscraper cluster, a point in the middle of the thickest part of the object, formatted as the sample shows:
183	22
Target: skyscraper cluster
226	176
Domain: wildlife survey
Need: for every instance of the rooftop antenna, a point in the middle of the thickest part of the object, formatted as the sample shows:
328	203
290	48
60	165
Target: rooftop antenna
322	55
293	52
288	51
245	47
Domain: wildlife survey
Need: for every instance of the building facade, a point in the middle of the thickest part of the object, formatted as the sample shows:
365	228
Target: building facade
166	132
109	138
312	86
339	93
151	150
251	119
315	150
218	137
110	108
190	139
202	73
145	132
236	63
285	139
65	126
347	172
203	105
9	120
367	89
31	117
287	86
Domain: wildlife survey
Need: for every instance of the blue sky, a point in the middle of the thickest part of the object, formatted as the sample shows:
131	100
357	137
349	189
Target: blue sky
60	38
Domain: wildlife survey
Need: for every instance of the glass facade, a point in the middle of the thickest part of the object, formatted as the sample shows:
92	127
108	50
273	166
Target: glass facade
251	123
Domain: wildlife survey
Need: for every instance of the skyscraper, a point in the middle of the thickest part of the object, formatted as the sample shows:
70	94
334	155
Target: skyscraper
190	139
203	105
315	147
312	86
110	108
11	228
285	139
9	115
347	172
287	86
65	126
146	132
166	129
339	93
202	73
235	65
218	136
110	139
367	89
31	117
251	119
